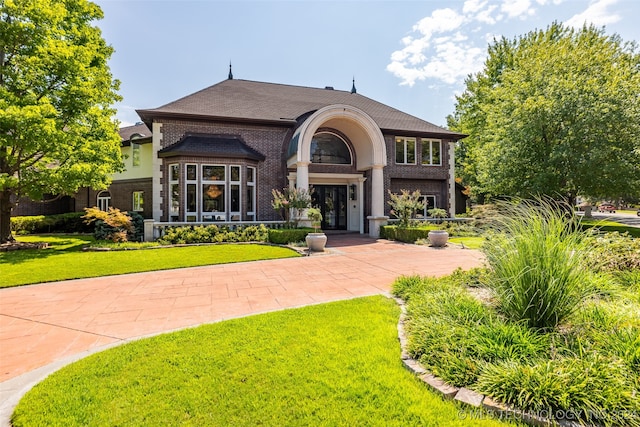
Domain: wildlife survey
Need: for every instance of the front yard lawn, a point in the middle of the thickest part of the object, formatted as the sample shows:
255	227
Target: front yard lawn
334	364
65	259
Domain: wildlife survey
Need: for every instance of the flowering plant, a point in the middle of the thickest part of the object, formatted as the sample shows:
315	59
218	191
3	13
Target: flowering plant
290	202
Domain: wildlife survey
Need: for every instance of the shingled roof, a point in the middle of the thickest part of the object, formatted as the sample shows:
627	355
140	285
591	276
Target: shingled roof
140	129
195	144
245	100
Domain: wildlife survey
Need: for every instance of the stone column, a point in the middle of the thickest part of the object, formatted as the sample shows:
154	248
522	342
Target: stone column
452	179
377	217
156	198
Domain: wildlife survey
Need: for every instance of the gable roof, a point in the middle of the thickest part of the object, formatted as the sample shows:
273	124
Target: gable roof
251	101
194	144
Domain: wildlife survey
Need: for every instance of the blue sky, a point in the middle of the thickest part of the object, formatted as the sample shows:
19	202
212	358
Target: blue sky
411	55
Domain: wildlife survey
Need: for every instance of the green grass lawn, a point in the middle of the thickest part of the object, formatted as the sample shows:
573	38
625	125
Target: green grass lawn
66	260
610	226
471	242
334	364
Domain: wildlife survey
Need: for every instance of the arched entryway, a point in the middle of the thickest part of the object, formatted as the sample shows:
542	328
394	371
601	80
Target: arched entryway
368	145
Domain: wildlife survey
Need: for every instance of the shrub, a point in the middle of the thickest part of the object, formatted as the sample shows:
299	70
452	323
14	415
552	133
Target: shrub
614	252
540	270
407	235
112	225
405	205
61	223
592	388
288	235
213	234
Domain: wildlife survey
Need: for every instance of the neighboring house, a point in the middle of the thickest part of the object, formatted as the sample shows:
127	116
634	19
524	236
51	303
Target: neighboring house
127	192
216	155
131	189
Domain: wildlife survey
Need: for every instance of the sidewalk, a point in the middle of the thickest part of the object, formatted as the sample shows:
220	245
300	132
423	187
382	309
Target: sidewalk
45	326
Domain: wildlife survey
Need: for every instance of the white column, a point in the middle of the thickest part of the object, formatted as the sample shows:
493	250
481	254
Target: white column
156	174
302	175
361	203
452	179
377	217
377	191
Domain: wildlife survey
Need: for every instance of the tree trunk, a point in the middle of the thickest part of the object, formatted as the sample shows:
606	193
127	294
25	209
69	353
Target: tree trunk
5	216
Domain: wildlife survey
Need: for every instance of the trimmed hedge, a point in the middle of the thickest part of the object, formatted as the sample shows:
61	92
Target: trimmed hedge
407	235
213	234
285	236
61	223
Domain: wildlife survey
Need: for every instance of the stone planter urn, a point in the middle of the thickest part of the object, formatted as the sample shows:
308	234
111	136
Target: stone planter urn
316	241
438	238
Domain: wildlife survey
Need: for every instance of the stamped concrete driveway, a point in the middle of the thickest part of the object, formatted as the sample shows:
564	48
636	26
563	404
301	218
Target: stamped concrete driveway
45	326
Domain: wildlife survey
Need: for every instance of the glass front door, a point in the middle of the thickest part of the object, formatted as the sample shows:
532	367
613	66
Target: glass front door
332	202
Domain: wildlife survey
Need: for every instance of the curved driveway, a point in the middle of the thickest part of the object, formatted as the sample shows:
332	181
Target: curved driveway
45	326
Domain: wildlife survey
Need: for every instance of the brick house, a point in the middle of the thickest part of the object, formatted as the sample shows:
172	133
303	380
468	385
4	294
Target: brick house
216	155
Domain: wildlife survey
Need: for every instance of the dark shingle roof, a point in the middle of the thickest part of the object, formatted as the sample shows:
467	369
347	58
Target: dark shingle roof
139	128
193	144
247	100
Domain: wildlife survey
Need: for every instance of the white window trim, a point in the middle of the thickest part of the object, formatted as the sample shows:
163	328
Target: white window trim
137	204
428	142
173	182
405	140
252	214
238	213
103	202
135	147
218	215
189	215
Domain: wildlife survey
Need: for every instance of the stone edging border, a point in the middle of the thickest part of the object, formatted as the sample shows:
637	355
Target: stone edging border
468	397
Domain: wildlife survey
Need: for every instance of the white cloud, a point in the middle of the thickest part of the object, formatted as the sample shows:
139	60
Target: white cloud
441	20
473	6
485	15
596	14
517	8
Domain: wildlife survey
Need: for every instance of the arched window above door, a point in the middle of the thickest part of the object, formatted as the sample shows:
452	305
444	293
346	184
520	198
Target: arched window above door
327	147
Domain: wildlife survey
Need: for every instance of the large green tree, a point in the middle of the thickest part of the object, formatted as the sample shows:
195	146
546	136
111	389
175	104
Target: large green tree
554	112
56	93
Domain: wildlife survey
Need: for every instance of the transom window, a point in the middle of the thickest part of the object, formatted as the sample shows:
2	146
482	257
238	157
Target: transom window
405	151
327	147
431	149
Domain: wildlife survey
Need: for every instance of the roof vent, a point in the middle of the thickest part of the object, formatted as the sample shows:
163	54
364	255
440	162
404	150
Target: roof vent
329	87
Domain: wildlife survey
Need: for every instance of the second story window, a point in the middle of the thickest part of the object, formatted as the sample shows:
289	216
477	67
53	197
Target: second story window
135	154
431	149
405	151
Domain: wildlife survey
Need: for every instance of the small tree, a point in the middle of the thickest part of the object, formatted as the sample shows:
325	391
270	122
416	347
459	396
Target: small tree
113	225
437	213
315	216
291	200
405	205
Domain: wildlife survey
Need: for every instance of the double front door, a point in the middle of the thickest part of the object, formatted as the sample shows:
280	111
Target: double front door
332	202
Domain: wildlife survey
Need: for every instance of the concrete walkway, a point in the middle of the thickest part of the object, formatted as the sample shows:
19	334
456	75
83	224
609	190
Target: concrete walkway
44	327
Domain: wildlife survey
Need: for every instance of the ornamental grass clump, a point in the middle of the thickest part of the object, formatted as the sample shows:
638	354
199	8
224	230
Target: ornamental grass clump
540	272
